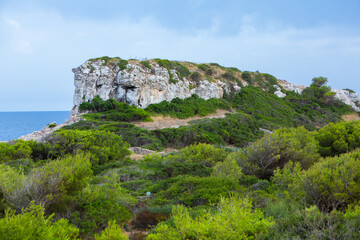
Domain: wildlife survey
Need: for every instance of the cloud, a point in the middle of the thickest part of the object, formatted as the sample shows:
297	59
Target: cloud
12	23
56	44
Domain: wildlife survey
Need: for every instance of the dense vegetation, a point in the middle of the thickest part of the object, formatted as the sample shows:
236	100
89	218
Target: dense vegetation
226	180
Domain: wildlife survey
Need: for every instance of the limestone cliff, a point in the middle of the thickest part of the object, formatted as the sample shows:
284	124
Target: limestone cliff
143	83
139	85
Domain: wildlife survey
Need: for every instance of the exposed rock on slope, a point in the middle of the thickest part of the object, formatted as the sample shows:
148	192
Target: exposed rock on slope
346	96
142	84
139	85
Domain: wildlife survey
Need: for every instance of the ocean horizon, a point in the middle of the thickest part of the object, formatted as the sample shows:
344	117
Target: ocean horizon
16	124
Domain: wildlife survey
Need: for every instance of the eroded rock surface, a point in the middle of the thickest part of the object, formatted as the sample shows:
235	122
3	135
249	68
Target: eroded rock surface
138	85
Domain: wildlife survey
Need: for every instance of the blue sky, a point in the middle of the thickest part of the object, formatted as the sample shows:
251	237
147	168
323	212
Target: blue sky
41	41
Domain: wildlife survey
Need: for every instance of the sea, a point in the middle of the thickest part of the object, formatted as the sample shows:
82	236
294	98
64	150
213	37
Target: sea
15	124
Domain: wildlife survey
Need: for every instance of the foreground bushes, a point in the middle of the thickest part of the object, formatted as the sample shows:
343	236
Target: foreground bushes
233	219
274	150
32	224
54	185
333	183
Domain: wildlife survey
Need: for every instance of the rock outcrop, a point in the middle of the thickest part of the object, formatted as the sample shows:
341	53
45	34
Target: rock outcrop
346	96
139	85
43	134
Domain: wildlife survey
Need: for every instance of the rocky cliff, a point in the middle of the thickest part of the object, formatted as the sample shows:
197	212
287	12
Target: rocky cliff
139	85
143	83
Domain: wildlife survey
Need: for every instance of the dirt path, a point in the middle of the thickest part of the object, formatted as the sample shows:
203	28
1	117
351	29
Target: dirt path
351	117
169	122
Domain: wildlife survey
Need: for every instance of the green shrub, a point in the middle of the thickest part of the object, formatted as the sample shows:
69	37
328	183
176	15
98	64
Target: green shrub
14	150
54	185
106	60
270	79
196	77
247	77
310	223
112	232
122	64
135	136
103	146
229	169
333	183
181	69
229	75
207	69
193	191
189	107
274	150
235	129
335	139
32	224
99	204
146	64
111	110
200	153
233	219
217	65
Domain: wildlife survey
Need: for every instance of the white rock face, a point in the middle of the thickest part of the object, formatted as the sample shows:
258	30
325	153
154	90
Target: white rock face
291	87
278	92
137	85
349	98
41	136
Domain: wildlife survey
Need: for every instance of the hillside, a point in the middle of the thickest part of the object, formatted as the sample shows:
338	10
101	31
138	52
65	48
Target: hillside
141	83
220	154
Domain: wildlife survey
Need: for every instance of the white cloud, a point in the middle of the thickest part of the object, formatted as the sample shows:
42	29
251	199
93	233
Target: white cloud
13	23
57	44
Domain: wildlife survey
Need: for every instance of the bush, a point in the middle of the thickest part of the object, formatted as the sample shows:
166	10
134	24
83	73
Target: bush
146	64
335	139
32	224
188	107
135	136
233	219
112	232
333	183
103	146
98	204
274	150
196	77
111	110
200	153
235	129
247	77
15	150
54	185
229	169
206	68
310	223
193	191
181	69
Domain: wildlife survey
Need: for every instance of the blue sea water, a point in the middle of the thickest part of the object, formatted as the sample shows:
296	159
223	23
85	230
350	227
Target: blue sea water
16	124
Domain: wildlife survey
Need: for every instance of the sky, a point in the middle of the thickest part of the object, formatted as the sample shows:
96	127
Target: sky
42	40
